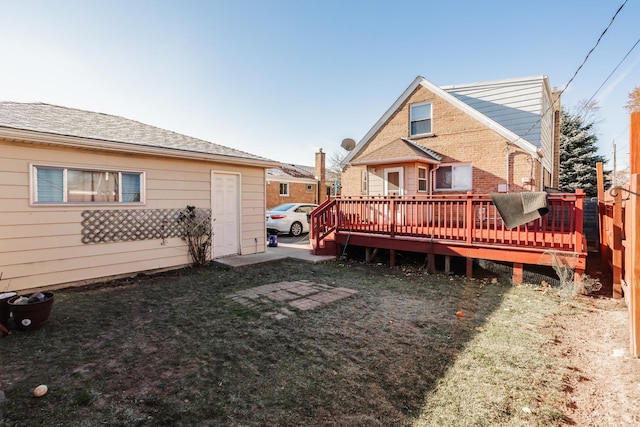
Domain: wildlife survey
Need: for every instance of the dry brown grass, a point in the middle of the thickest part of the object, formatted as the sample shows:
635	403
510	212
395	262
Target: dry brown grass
174	350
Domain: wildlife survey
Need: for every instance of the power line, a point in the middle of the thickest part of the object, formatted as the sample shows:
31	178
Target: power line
576	72
609	76
593	48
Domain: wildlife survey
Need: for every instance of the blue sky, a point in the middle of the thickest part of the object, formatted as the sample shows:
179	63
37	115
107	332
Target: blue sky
282	78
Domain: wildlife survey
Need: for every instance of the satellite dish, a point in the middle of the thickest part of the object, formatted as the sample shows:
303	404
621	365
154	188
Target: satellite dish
348	144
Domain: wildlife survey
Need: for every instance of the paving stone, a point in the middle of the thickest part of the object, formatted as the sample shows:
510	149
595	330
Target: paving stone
300	294
303	290
281	296
305	304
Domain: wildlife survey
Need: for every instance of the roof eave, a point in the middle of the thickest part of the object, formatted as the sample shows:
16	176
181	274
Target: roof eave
396	160
124	147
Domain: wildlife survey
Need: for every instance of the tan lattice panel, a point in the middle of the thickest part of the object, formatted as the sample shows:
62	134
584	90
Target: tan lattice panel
104	226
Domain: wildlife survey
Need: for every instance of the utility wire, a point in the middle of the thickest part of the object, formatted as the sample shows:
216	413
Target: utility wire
594	47
609	76
576	72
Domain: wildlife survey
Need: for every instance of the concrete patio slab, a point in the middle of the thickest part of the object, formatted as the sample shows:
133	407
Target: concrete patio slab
301	251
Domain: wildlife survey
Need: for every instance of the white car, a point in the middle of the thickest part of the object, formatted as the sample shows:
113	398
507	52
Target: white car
291	218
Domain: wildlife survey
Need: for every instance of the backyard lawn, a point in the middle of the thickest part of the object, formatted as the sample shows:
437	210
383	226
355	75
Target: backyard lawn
408	349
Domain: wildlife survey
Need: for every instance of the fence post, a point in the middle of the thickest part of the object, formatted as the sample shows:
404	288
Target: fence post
616	255
601	208
633	234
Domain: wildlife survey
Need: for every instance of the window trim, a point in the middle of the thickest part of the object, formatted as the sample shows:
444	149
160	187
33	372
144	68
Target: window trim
33	181
425	179
453	165
287	193
364	181
411	121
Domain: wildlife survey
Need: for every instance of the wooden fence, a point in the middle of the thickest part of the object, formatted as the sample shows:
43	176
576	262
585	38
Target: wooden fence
619	219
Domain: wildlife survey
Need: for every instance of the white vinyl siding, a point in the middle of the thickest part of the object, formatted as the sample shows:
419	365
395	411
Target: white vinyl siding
516	104
42	245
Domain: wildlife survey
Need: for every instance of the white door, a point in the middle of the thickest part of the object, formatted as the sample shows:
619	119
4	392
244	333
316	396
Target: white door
393	182
225	213
393	186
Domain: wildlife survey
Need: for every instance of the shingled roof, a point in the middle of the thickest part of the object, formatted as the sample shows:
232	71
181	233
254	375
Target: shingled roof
399	150
63	121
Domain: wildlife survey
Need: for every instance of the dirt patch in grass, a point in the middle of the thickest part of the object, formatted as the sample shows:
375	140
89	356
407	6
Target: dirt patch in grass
175	349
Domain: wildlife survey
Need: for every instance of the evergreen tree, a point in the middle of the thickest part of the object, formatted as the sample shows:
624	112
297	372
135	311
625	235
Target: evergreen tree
578	156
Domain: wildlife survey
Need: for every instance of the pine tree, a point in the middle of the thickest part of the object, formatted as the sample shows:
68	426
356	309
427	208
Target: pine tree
578	156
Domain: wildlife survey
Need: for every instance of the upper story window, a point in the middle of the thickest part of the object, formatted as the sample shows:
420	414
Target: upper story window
453	177
422	179
56	185
284	189
420	117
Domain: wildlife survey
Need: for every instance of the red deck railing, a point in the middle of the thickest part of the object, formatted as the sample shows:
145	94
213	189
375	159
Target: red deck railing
469	219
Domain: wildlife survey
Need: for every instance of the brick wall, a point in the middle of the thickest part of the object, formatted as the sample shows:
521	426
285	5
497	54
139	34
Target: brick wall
297	193
458	137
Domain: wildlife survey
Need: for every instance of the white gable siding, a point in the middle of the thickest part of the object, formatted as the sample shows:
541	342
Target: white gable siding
515	104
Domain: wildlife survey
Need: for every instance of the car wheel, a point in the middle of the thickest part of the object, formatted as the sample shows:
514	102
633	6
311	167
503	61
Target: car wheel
296	229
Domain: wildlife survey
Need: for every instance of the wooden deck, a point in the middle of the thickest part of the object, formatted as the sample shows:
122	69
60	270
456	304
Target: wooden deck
453	225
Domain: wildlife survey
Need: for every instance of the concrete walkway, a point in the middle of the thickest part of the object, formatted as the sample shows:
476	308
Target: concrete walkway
288	248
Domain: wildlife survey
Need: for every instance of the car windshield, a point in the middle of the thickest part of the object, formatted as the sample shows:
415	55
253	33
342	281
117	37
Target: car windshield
284	207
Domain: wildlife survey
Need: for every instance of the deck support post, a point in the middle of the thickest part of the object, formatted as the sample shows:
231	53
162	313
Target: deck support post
367	255
392	258
577	279
447	263
469	267
518	270
431	262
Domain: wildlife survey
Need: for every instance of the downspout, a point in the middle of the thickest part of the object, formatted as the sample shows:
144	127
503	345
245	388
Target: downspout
508	168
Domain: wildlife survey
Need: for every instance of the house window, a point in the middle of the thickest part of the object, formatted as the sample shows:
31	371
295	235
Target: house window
365	181
453	177
422	179
67	185
284	189
309	188
420	116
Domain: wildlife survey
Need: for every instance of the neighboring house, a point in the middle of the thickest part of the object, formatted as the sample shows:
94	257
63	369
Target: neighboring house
497	136
87	196
289	183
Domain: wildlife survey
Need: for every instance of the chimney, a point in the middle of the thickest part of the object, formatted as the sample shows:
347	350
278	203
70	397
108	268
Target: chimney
321	176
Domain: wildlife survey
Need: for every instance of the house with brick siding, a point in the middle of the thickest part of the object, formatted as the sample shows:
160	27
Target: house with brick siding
487	137
290	183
